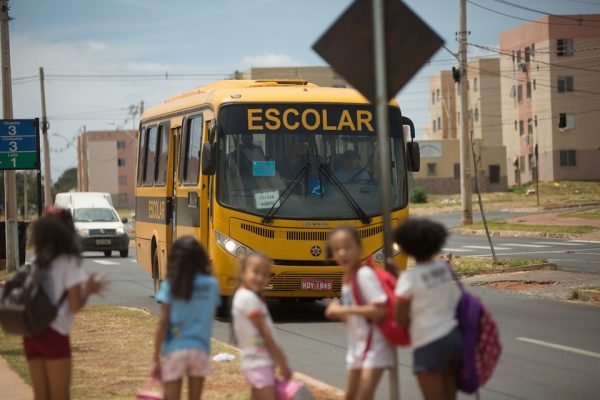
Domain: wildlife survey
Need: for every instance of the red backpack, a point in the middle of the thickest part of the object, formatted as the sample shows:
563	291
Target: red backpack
395	334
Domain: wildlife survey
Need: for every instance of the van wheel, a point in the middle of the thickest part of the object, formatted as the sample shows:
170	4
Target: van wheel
107	253
124	253
155	273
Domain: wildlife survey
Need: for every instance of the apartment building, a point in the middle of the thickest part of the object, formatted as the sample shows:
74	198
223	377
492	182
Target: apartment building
551	98
321	76
440	151
106	163
442	107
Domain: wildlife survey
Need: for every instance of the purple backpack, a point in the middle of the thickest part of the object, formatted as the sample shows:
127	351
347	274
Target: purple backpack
481	342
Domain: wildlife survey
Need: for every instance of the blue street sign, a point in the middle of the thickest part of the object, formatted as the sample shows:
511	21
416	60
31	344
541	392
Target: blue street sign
19	144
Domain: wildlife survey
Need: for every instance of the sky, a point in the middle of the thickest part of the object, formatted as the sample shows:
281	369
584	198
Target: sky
191	43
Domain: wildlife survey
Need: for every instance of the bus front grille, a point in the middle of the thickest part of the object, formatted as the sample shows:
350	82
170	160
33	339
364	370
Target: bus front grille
287	281
258	230
324	235
370	231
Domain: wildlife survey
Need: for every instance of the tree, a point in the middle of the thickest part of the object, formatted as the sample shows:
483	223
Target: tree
66	182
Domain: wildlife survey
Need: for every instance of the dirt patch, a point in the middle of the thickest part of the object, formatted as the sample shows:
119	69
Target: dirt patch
518	286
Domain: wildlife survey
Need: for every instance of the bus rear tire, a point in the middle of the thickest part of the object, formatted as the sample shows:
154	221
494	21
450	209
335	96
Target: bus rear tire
107	253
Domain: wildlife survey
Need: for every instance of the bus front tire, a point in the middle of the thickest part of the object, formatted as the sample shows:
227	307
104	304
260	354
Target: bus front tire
124	253
107	253
155	273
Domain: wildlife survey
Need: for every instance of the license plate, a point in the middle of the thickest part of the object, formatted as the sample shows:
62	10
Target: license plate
316	284
102	242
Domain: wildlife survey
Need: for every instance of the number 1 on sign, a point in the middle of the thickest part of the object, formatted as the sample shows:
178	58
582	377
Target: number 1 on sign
14	162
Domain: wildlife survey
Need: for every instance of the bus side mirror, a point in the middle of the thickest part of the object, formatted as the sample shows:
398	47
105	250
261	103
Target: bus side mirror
413	155
208	158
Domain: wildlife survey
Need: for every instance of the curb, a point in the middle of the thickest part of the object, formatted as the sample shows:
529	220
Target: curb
308	380
525	268
481	232
589	295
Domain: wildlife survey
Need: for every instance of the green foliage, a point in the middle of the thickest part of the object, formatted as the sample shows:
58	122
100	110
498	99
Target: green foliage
66	182
418	195
574	294
520	189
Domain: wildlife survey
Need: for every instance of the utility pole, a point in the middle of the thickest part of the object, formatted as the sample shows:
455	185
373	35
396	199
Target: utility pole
45	126
465	146
10	181
141	108
25	195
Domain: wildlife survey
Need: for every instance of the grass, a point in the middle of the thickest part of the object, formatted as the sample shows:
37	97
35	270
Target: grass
500	225
112	349
591	213
551	194
466	266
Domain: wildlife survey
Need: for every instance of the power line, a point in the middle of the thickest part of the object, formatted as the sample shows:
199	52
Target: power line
579	20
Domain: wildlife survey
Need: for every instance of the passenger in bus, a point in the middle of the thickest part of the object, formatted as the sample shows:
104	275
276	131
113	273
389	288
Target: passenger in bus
253	329
349	169
245	154
296	159
189	297
369	353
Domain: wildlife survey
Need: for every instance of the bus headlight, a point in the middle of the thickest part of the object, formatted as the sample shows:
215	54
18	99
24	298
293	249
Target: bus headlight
232	246
378	255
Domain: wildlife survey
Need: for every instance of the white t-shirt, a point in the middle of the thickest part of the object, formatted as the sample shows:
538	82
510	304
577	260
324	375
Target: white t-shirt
247	304
380	353
434	296
63	273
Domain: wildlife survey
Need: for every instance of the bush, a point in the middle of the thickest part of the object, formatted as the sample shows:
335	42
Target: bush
418	195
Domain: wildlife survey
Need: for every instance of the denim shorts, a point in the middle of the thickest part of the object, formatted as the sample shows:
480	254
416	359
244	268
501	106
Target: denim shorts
440	356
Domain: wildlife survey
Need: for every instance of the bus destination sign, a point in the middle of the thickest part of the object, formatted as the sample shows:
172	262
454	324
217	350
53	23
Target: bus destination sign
19	144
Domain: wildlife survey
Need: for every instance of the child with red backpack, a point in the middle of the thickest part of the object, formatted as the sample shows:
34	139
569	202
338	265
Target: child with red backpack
427	298
369	353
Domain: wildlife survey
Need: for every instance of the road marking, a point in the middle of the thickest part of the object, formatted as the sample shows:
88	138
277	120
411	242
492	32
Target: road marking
455	250
574	252
585	241
525	245
105	262
561	243
133	260
560	347
487	247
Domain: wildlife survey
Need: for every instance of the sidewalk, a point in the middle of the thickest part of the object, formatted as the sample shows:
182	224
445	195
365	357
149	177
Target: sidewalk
13	387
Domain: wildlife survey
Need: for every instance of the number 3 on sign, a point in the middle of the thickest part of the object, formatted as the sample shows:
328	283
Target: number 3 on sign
12	146
12	130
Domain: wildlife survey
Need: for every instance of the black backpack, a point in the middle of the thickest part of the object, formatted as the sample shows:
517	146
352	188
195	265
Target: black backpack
25	308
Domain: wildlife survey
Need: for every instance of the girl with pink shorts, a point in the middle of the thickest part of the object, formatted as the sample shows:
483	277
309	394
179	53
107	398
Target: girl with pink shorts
253	330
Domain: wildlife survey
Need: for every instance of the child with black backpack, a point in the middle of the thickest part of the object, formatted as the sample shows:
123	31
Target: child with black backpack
369	352
427	297
58	255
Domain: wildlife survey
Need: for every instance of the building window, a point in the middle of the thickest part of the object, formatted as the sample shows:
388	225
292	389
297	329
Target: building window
431	170
433	125
567	158
521	128
474	84
566	121
531	162
516	125
432	97
564	47
528	91
565	84
122	179
439	124
522	163
121	162
120	144
518	56
520	93
535	120
494	173
456	170
527	53
437	92
530	126
476	114
534	84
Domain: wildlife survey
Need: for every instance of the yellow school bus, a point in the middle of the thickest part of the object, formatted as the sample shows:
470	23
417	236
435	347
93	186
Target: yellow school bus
268	166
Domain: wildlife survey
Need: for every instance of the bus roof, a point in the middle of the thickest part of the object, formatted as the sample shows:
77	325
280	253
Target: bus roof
255	91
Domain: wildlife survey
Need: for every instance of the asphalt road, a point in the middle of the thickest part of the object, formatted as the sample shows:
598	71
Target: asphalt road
551	348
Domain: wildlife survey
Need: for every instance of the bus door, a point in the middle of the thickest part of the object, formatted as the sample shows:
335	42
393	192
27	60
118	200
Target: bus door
172	188
187	197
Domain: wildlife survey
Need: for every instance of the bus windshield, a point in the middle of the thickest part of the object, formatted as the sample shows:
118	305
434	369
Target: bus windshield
313	165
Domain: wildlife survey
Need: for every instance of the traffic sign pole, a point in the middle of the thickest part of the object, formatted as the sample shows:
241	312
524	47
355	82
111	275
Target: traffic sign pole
10	184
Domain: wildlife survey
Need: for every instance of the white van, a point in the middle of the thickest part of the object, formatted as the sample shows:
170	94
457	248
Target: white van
99	225
66	199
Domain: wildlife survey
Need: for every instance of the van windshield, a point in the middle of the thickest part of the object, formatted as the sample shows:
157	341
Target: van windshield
94	215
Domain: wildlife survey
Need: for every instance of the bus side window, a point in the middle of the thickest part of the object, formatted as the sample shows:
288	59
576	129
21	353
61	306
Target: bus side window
190	151
142	156
150	169
163	154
